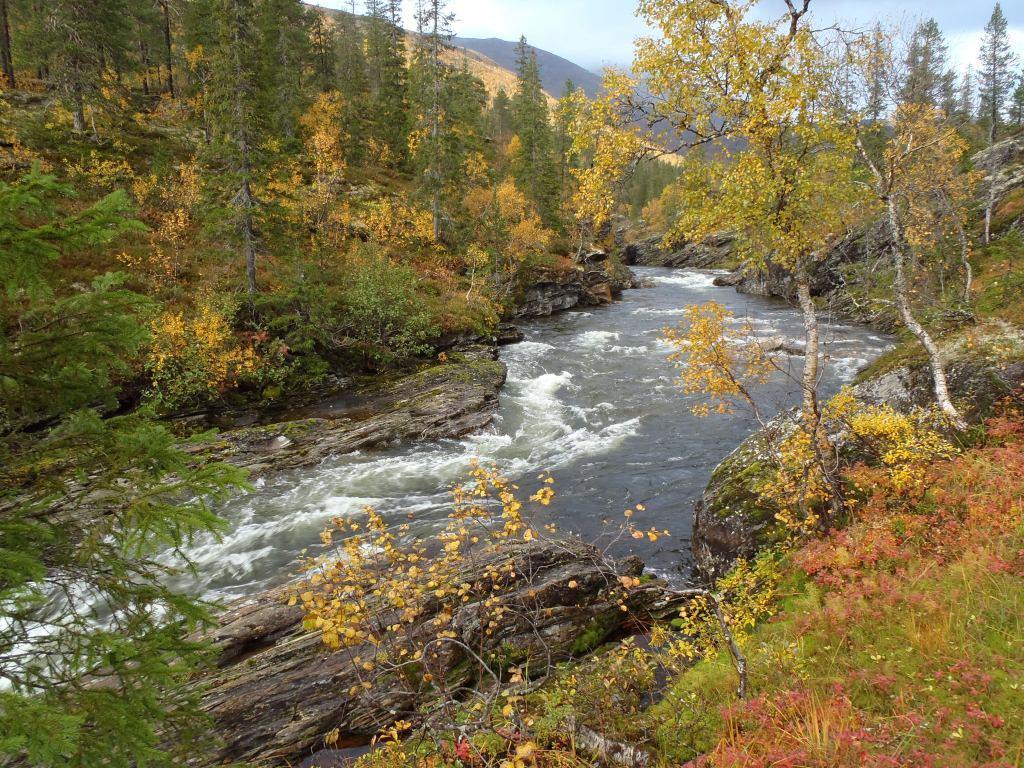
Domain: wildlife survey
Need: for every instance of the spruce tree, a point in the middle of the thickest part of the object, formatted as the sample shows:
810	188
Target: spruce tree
388	78
6	46
534	166
238	122
1016	112
965	97
284	57
996	84
94	646
925	65
565	115
74	43
500	119
323	49
353	84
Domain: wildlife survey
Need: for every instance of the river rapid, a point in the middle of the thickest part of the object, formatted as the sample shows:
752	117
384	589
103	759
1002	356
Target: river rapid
590	398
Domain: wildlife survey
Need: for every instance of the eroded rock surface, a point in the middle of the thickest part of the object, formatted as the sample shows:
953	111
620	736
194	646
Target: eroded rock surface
442	401
278	690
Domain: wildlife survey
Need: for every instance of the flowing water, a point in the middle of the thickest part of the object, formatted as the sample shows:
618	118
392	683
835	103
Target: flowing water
590	397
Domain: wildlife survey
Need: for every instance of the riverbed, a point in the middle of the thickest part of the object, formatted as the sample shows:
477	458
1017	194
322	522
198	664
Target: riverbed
590	398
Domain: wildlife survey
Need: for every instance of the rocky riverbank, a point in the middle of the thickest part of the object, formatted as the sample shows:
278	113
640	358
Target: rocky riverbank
277	690
984	365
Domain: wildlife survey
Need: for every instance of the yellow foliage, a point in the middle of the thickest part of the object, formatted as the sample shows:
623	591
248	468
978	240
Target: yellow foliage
716	359
198	355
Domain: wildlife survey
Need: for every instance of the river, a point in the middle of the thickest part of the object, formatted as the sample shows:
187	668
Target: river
590	398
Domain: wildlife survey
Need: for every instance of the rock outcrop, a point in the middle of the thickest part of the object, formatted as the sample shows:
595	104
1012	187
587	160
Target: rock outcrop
277	689
656	252
1007	158
443	401
595	282
983	367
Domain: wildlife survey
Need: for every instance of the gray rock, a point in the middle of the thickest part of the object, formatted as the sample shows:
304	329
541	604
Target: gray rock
277	690
442	401
655	252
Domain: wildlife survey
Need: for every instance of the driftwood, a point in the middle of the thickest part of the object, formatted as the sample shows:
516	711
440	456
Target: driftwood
278	691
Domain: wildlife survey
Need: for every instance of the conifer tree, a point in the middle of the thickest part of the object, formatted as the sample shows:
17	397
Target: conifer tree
236	116
284	57
500	119
94	646
965	96
1016	113
925	65
534	166
388	78
996	84
996	77
353	84
565	114
76	43
323	48
6	46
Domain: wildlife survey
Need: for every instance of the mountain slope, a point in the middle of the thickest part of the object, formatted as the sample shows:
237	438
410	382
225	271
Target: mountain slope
554	70
502	75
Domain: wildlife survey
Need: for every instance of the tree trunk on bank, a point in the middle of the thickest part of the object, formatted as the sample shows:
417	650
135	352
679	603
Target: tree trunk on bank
168	47
938	370
6	57
823	449
991	202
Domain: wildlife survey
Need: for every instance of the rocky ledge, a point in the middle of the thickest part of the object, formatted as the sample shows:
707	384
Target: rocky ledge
447	400
984	365
596	281
657	252
277	690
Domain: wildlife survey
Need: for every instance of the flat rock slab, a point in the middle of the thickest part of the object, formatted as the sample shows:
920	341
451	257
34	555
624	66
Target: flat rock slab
444	401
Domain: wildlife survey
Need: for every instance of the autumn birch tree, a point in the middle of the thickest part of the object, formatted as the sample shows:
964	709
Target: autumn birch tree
770	156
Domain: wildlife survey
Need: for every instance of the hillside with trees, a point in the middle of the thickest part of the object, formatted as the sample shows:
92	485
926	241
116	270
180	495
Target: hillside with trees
222	219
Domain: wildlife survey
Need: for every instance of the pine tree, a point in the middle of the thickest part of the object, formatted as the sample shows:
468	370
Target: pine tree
925	65
534	166
996	81
284	57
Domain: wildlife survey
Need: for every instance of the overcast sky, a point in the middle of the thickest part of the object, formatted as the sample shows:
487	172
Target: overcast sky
595	33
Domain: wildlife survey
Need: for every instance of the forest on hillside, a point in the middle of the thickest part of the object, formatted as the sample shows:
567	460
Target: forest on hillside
213	210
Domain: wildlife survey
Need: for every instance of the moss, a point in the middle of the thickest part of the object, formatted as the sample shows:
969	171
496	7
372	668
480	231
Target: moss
907	353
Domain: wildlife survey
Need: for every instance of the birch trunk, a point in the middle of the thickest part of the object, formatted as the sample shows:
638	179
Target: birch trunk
940	384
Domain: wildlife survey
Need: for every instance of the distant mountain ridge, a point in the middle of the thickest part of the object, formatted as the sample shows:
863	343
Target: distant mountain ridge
494	61
554	70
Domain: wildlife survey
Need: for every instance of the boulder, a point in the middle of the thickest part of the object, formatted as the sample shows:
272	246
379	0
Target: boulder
277	690
1006	158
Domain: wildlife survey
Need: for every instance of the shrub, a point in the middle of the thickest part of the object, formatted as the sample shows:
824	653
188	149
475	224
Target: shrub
385	317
